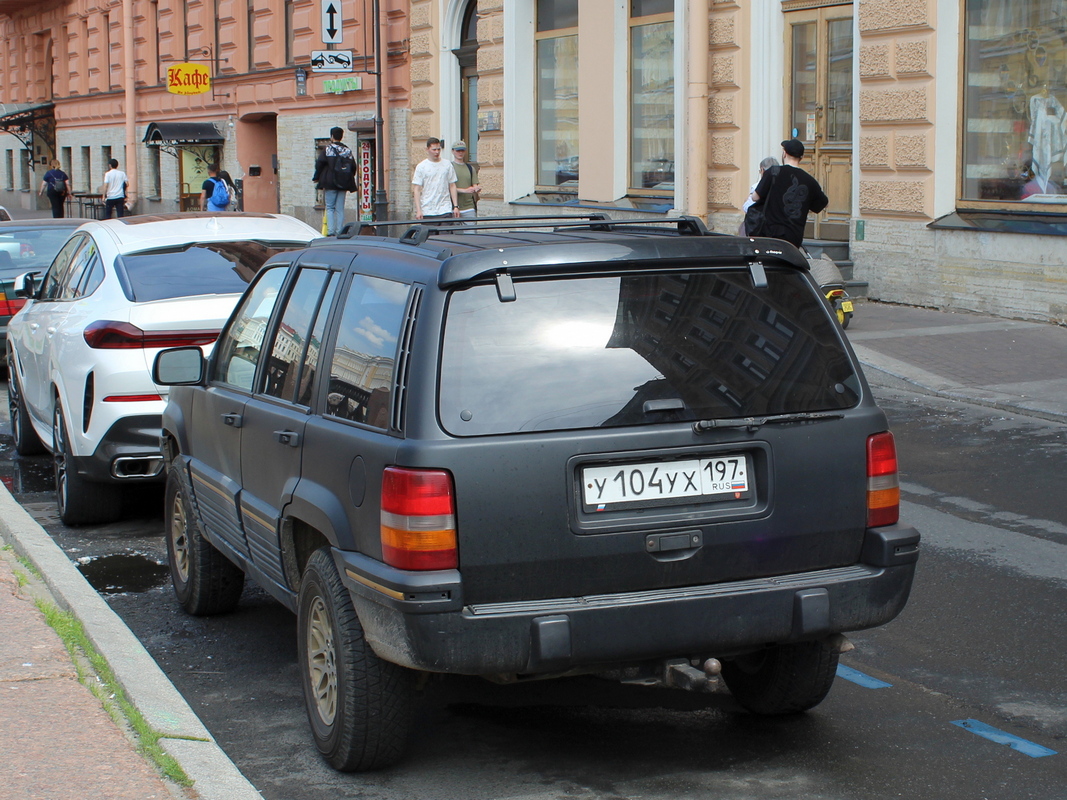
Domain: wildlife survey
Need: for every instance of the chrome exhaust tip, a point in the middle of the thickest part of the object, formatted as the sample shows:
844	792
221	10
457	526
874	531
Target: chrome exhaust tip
137	466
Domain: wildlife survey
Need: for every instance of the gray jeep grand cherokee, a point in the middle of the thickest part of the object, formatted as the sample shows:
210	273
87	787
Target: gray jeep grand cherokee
536	448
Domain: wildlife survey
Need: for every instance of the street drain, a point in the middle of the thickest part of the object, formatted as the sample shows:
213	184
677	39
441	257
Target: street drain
123	572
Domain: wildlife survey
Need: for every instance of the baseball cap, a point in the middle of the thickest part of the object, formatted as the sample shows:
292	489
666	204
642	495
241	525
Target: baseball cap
460	145
793	147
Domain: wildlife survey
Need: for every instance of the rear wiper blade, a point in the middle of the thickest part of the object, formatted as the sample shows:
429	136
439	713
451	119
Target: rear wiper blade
754	423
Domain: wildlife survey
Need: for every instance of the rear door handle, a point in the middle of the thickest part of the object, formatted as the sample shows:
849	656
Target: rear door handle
291	438
233	420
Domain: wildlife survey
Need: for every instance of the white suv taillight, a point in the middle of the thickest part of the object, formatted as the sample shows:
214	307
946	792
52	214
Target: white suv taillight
418	519
883	485
109	334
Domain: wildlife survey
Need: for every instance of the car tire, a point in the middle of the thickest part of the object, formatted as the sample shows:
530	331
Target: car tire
359	706
204	580
783	679
27	442
80	502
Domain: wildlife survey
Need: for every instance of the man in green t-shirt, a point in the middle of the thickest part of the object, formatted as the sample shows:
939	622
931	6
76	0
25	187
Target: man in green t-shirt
467	186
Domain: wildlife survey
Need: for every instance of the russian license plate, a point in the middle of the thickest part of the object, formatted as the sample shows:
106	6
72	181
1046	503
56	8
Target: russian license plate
665	482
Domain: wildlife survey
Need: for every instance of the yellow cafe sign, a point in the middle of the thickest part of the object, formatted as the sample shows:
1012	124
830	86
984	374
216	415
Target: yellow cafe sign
186	78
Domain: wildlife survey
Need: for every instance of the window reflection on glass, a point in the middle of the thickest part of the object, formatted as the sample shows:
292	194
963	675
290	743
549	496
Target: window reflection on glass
239	346
592	352
804	89
646	8
839	82
295	343
364	357
652	106
554	15
1015	128
557	111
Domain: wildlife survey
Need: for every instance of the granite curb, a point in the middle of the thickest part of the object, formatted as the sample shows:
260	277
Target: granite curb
214	775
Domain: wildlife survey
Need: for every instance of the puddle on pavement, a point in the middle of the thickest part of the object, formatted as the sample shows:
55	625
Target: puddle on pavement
26	475
123	572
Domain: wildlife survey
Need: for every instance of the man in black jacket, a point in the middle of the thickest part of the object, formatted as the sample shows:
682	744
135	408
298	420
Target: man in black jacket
787	193
335	175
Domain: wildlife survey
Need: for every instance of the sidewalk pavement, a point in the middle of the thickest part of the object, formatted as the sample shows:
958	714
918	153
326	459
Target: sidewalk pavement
59	743
1016	366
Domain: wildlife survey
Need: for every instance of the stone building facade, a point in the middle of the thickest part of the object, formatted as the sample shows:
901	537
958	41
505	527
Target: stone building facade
87	80
937	127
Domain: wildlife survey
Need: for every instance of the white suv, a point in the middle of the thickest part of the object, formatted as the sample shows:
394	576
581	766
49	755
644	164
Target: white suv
81	350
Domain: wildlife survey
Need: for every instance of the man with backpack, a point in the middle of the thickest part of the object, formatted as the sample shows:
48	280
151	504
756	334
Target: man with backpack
216	195
335	174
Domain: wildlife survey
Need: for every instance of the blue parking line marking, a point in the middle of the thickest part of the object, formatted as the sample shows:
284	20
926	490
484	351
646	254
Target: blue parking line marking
860	678
1024	746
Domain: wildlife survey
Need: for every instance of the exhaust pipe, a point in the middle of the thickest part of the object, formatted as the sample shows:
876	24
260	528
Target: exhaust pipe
137	466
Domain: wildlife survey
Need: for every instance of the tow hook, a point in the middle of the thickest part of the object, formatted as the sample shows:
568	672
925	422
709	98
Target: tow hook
680	674
840	644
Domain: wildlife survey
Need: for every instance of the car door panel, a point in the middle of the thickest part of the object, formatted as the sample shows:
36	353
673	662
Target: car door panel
215	462
276	415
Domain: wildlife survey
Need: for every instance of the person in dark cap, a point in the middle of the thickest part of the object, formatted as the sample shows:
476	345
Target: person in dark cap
467	186
787	193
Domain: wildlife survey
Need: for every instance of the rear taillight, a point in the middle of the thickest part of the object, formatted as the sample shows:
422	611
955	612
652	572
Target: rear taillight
883	485
418	519
112	335
9	307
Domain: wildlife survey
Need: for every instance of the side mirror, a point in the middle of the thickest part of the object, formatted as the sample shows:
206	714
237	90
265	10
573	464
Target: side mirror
26	284
179	366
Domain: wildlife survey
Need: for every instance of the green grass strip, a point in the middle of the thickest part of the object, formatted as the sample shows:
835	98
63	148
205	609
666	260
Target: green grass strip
110	693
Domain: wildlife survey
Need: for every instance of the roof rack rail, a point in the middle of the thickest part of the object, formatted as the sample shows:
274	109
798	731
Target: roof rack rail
418	231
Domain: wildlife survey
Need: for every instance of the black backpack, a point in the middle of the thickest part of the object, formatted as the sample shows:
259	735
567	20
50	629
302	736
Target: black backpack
344	171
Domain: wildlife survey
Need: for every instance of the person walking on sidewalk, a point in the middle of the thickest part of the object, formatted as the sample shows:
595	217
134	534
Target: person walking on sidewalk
212	193
335	174
786	195
467	186
114	190
57	183
434	185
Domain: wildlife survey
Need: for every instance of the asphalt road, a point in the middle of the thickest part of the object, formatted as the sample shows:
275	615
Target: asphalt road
981	643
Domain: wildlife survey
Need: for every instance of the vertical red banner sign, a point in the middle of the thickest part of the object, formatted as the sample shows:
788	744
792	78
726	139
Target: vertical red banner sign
366	181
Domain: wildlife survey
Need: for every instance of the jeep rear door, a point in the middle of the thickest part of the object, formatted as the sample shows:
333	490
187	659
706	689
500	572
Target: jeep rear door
578	466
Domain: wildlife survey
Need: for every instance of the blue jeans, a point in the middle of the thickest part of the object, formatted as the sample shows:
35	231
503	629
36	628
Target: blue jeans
335	211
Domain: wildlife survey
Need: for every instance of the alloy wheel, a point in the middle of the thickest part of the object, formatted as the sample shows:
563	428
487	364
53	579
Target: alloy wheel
322	661
59	457
179	538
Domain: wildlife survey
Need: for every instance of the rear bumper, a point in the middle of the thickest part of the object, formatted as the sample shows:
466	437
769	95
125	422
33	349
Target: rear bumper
129	452
419	620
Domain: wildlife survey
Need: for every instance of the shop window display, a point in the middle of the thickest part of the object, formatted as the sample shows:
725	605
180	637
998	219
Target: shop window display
1015	104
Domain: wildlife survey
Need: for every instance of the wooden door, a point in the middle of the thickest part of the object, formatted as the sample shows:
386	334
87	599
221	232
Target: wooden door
819	52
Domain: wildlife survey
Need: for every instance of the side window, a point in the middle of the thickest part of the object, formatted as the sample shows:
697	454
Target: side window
68	288
298	337
59	269
93	276
238	348
364	357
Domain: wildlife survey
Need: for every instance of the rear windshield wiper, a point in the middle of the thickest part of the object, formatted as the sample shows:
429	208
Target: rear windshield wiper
754	423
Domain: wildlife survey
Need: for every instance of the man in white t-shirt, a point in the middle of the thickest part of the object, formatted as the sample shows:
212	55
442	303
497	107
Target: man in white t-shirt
434	185
114	190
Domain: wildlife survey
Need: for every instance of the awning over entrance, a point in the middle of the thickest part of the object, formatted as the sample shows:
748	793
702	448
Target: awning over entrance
24	121
178	134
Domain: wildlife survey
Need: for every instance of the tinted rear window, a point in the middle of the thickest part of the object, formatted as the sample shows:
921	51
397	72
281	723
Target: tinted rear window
218	268
592	352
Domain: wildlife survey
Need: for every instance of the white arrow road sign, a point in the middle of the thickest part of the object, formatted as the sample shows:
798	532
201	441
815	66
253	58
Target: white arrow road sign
331	21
